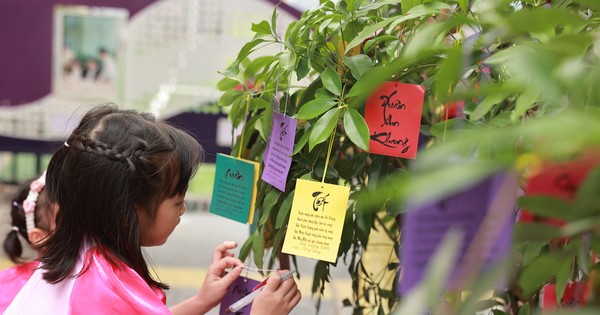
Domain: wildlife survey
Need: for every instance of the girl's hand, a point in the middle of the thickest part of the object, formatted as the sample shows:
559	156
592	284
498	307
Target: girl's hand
217	281
278	297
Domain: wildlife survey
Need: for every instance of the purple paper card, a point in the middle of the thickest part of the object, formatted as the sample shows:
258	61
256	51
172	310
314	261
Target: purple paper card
278	155
238	289
484	213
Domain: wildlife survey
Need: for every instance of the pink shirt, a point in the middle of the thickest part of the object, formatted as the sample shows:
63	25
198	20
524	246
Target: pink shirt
12	280
104	288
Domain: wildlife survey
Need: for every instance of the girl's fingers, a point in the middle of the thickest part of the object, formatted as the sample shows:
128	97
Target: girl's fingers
220	265
295	298
289	290
273	283
222	250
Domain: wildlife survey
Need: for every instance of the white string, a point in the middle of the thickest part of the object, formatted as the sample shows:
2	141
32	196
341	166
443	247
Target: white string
277	79
287	96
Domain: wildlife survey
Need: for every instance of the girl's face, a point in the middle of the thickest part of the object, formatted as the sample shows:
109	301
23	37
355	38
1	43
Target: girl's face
168	216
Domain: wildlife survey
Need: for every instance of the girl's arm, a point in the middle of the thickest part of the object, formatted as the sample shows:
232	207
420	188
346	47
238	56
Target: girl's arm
215	284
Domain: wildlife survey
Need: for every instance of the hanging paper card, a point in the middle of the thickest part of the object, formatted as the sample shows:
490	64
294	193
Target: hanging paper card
576	294
316	220
484	213
278	155
393	114
234	190
238	289
561	180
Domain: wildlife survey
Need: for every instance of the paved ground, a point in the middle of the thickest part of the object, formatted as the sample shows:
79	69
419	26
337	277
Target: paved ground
183	260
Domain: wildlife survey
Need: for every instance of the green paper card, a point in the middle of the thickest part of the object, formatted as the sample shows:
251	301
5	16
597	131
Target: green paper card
234	191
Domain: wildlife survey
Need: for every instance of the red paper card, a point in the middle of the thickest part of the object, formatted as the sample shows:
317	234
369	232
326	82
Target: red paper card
561	180
393	114
576	294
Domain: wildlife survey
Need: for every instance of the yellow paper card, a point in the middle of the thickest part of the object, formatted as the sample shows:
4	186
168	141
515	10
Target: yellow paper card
254	190
316	220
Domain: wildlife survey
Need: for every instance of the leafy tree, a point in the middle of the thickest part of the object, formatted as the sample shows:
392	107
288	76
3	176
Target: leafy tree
528	74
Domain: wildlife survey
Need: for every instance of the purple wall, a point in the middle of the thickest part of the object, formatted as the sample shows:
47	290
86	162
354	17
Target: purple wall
26	44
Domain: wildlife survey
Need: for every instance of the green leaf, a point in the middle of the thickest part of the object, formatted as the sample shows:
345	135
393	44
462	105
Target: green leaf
227	84
356	128
588	198
302	69
524	103
364	221
541	270
563	274
245	250
323	128
549	207
315	108
287	60
274	20
536	20
302	142
419	11
320	276
409	4
262	28
376	5
266	119
331	81
277	242
270	200
348	230
449	72
229	97
257	64
358	64
284	210
532	250
536	232
368	31
248	48
258	249
486	105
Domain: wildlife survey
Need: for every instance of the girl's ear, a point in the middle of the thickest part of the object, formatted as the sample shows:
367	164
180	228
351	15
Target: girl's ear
36	235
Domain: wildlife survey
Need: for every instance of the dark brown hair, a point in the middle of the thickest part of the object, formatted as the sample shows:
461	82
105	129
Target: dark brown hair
43	215
114	162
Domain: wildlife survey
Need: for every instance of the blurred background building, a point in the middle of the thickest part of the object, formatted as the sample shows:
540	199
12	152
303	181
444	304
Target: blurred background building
59	58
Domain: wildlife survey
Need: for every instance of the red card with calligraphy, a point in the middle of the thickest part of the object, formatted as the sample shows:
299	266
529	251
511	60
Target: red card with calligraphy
393	114
561	180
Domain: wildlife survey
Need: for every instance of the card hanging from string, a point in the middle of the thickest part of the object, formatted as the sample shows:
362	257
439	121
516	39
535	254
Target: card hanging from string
280	145
234	190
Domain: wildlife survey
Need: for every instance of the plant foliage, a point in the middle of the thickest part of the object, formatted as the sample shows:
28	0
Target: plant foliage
528	74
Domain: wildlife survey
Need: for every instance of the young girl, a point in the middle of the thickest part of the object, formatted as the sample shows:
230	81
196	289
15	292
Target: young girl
120	182
32	217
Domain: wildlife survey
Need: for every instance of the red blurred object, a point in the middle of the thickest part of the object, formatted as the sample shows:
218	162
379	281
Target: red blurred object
576	294
453	110
561	180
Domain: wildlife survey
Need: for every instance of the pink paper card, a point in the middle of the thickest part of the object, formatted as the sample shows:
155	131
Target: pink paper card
393	115
241	287
278	154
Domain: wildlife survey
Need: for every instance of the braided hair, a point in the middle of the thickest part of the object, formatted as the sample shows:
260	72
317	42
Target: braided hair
114	163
